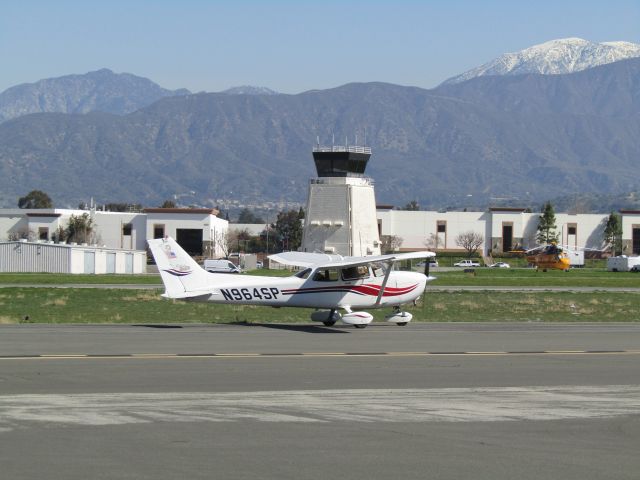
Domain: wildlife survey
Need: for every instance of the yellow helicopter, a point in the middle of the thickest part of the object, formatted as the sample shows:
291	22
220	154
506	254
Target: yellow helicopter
550	256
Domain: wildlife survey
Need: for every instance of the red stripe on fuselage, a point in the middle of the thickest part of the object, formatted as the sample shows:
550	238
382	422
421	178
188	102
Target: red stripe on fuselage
371	290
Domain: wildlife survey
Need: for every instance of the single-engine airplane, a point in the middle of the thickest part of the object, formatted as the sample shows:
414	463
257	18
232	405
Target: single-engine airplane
327	283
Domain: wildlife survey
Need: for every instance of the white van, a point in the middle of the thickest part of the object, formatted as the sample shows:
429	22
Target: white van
221	266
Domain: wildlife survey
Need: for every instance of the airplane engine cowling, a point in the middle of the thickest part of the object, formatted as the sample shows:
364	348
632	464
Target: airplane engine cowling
357	318
399	317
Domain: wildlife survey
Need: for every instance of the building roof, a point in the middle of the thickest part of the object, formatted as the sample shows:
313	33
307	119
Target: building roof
192	211
43	214
72	245
507	209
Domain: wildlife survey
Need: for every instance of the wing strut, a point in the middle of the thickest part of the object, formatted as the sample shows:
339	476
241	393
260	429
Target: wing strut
384	282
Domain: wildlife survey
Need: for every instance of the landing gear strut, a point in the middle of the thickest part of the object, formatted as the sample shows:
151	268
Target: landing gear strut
331	322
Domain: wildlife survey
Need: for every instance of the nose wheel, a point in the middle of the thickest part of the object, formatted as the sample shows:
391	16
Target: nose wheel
399	317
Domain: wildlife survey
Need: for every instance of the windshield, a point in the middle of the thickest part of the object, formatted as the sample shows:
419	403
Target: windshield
303	273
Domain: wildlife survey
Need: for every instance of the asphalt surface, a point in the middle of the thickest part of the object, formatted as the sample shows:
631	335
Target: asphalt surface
482	401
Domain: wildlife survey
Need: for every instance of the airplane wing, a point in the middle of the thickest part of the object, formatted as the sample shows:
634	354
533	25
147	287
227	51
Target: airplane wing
305	259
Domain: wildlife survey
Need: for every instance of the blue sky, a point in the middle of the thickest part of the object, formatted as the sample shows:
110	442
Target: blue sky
289	46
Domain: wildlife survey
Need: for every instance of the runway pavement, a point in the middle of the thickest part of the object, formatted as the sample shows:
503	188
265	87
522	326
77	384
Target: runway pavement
482	401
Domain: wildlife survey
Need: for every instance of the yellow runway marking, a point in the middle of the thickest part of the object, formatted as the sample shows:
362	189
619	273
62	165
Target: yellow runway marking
64	355
311	354
140	356
236	355
154	354
490	353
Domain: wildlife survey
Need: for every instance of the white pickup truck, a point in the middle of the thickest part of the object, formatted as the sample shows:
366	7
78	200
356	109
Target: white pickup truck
467	263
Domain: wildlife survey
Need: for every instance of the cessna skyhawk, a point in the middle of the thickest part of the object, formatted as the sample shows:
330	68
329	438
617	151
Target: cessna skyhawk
327	283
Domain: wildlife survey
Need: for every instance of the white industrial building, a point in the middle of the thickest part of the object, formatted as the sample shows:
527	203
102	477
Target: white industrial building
199	231
42	256
503	229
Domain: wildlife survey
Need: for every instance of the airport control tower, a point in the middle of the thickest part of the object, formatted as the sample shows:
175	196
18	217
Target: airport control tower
341	207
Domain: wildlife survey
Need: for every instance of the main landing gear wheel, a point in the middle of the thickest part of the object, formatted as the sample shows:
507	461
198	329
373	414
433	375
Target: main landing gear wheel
402	324
360	325
329	323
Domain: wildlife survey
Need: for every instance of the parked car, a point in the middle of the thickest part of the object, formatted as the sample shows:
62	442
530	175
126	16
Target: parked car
259	264
467	263
500	265
432	263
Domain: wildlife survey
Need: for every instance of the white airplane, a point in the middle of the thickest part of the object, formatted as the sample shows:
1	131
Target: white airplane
327	283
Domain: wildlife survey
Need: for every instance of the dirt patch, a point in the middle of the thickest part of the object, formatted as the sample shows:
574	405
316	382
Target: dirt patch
57	302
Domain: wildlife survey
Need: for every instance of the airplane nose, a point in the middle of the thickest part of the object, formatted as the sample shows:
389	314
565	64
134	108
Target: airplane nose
410	279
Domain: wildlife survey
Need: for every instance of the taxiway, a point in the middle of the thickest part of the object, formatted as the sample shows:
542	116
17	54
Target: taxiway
302	401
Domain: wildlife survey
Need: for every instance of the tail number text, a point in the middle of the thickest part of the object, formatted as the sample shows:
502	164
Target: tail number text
238	294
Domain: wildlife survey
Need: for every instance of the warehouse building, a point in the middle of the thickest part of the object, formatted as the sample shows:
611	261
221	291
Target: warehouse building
44	256
198	230
503	229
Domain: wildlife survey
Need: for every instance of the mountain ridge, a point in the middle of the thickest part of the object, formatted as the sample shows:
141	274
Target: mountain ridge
99	90
561	56
454	145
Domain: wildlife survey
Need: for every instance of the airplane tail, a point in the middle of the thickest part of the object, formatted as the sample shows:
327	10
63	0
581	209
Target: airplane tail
181	275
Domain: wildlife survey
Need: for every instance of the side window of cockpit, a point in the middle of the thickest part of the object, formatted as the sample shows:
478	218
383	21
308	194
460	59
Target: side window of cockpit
377	269
326	275
355	273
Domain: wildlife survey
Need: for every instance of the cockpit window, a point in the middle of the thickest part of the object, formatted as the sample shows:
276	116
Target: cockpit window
303	273
326	275
377	269
355	273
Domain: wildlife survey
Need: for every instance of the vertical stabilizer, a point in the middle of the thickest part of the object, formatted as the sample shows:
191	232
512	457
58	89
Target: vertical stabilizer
181	275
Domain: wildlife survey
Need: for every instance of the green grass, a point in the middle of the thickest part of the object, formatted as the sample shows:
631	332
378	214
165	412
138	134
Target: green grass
61	279
529	277
54	305
513	277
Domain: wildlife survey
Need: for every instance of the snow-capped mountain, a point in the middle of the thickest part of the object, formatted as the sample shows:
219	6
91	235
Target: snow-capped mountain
566	55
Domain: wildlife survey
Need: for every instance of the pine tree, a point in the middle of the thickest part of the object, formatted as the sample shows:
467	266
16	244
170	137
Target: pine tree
613	233
547	225
288	229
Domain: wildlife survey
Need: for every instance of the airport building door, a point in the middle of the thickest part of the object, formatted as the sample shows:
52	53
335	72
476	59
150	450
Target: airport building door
190	239
635	236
